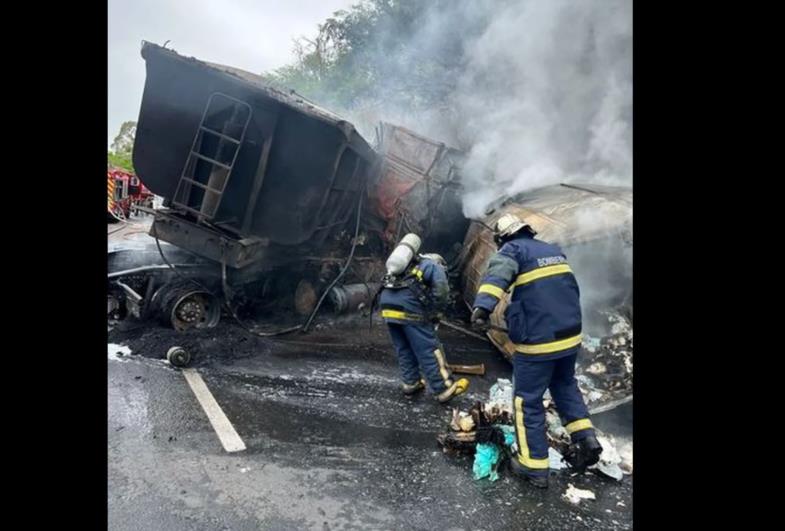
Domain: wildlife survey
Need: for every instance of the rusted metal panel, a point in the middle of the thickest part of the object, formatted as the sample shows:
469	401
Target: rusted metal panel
418	189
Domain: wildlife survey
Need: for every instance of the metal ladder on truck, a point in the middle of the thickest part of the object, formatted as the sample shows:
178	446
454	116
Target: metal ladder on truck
212	157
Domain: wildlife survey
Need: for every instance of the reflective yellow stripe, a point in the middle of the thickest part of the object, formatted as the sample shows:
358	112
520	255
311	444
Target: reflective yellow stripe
395	314
417	272
442	367
523	449
491	290
578	425
547	348
541	273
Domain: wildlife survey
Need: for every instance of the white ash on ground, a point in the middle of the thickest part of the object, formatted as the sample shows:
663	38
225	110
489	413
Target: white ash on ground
117	352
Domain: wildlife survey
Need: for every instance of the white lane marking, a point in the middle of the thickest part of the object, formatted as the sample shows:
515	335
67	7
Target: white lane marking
226	432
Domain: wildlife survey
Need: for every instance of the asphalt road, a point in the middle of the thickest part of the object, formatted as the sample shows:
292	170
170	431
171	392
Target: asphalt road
331	442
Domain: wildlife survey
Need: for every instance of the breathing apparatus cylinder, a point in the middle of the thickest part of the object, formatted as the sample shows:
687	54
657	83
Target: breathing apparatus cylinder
403	254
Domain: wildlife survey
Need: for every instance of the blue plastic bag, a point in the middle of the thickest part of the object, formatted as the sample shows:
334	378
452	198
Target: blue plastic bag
485	459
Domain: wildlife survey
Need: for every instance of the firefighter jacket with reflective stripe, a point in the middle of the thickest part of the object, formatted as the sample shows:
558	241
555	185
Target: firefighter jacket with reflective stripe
544	314
402	304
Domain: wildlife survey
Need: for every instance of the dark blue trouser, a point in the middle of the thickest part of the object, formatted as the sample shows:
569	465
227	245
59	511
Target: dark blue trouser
532	378
419	350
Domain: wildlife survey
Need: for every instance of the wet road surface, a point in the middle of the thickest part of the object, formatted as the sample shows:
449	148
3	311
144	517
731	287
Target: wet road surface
331	442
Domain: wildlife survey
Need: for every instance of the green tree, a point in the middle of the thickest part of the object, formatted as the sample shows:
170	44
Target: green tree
124	141
391	58
369	52
120	161
123	146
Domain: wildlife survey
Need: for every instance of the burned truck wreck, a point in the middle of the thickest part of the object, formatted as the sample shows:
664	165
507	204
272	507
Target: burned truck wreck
265	197
275	207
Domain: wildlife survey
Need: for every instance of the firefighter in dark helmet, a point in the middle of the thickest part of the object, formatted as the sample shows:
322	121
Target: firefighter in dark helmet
544	323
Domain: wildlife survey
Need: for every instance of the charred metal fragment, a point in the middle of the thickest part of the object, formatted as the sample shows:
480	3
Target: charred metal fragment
352	297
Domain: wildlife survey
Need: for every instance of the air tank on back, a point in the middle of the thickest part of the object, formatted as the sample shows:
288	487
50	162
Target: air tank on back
402	255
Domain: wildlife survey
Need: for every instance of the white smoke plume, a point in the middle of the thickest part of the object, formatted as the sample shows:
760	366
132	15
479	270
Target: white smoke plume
541	92
548	93
536	92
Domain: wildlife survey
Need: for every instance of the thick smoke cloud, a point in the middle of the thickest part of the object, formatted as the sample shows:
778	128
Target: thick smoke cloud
552	80
537	91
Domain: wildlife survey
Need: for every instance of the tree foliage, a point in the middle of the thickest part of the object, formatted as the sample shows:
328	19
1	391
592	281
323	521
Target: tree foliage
124	141
119	155
377	50
122	161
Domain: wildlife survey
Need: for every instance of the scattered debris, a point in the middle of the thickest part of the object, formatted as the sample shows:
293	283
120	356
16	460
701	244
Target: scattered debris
555	459
457	442
590	344
604	371
486	430
466	423
461	421
575	495
178	356
609	459
468	369
596	368
500	397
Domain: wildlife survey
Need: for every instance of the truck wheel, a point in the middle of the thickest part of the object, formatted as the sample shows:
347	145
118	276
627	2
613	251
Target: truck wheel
184	306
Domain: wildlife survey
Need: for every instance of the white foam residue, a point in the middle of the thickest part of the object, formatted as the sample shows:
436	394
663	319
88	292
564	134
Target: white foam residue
117	352
575	496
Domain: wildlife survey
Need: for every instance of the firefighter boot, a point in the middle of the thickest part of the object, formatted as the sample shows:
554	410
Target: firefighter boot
410	389
538	480
583	454
457	388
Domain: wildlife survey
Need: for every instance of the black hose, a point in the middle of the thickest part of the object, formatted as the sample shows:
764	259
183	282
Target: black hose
345	267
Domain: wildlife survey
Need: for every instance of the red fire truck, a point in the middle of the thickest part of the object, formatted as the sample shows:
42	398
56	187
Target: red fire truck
124	192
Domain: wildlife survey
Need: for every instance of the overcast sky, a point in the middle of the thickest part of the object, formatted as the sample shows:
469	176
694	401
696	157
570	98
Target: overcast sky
255	35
